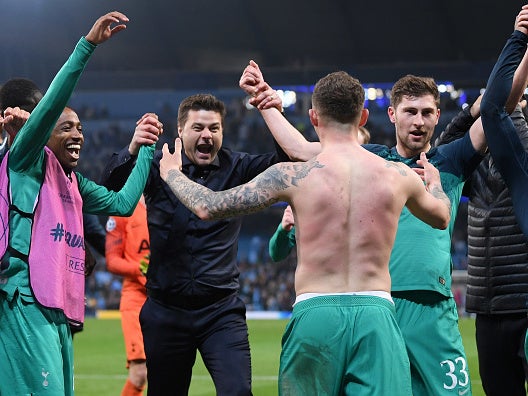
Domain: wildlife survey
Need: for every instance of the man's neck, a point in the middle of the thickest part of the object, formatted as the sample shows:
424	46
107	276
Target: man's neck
408	153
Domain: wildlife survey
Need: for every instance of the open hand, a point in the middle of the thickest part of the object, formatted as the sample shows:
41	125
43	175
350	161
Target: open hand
429	174
170	161
102	30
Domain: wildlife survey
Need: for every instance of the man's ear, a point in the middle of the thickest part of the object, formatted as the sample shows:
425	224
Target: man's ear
391	111
364	117
314	119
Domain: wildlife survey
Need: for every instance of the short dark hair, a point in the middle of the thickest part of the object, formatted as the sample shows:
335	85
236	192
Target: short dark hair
19	92
414	86
200	102
339	96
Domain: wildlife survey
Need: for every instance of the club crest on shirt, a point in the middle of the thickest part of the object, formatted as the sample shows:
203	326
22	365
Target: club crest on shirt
110	224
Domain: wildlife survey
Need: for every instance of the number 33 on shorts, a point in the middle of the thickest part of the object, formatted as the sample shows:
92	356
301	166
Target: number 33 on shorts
456	375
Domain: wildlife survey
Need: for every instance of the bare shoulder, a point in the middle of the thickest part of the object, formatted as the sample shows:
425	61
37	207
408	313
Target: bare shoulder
288	173
404	176
300	167
399	167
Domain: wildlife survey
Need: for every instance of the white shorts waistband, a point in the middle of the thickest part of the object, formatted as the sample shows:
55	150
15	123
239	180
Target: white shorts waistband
376	293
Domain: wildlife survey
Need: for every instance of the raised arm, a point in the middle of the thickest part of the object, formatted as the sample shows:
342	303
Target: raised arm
504	143
476	129
124	201
29	142
147	131
520	80
266	100
102	29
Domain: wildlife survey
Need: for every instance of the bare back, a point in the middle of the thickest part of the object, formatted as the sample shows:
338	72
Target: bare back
346	214
346	203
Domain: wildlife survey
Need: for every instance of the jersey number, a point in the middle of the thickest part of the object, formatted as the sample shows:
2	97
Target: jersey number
452	378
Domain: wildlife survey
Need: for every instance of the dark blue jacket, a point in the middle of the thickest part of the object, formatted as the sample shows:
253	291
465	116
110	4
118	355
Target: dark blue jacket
193	262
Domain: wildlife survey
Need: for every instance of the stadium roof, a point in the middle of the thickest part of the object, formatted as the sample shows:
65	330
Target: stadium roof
292	40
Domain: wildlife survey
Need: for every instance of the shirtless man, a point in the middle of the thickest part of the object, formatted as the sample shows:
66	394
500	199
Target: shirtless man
345	235
420	265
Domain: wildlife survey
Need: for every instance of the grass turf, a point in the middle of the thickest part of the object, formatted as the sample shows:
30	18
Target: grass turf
100	359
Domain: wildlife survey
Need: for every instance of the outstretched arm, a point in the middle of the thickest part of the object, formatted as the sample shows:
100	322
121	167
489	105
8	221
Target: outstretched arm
251	197
266	100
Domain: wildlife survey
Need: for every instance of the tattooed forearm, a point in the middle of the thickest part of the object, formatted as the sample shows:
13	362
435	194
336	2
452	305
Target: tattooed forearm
186	191
210	205
261	192
438	193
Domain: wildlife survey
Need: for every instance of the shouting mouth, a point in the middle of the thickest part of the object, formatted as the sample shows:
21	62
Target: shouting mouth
204	150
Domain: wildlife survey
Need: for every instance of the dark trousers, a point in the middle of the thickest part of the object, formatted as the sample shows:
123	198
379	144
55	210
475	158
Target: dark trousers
173	335
500	345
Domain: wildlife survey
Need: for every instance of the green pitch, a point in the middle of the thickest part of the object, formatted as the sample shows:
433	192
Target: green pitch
100	359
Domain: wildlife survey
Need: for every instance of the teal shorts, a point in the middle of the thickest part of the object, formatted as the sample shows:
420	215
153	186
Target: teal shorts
36	352
429	324
343	345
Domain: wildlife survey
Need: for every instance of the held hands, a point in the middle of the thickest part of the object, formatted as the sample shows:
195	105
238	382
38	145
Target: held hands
101	30
170	161
521	21
252	80
262	95
287	219
13	120
267	99
148	129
